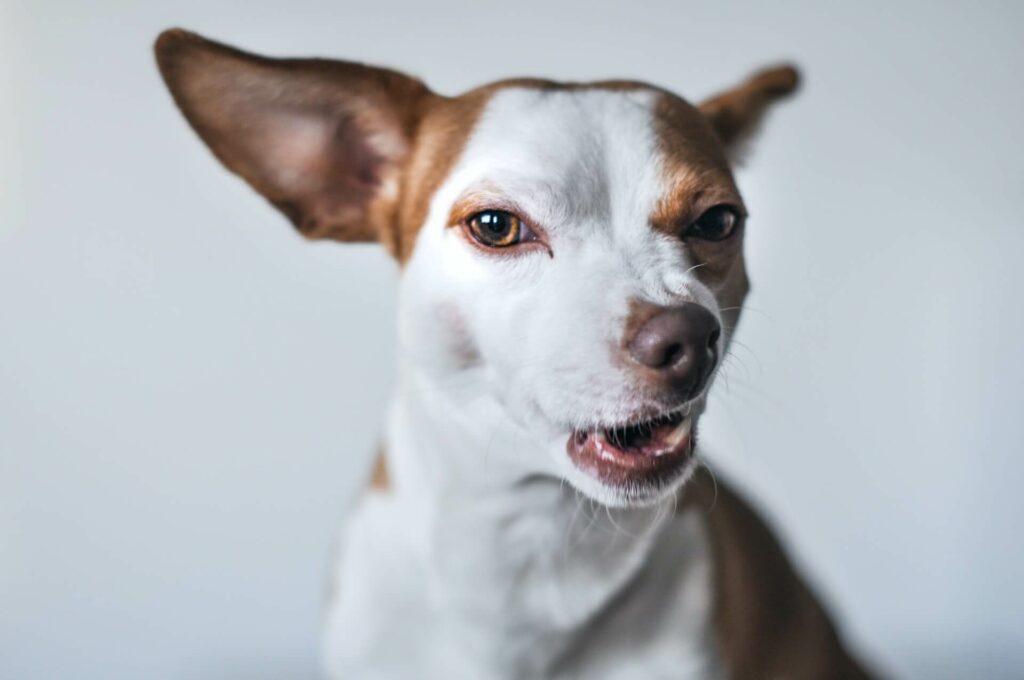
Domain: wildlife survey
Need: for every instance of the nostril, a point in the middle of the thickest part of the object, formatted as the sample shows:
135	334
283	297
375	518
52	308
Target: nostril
672	353
713	338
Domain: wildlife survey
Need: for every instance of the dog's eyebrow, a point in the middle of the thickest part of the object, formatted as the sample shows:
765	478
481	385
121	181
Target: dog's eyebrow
689	197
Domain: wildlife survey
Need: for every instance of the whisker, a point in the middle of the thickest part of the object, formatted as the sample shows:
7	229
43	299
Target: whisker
714	482
696	266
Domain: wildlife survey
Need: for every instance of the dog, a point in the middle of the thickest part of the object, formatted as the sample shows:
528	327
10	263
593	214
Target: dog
571	274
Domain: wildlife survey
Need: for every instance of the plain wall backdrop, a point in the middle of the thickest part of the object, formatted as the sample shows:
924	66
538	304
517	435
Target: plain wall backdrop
190	394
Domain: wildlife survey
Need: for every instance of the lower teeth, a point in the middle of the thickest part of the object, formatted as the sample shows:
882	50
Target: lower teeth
676	437
640	436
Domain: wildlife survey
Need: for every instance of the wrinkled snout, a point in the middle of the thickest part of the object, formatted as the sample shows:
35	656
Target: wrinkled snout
675	347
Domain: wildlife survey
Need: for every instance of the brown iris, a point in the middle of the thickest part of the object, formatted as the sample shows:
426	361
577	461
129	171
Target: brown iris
496	228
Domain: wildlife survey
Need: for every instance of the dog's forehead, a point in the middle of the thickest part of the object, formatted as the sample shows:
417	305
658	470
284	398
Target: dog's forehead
572	128
580	141
544	124
565	156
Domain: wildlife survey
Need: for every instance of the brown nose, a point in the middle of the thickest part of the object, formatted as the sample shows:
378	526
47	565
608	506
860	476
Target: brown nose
681	343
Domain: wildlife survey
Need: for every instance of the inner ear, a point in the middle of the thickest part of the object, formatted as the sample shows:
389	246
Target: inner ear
324	141
736	114
318	170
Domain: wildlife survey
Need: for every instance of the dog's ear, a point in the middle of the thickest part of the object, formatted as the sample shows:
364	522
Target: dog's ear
324	141
736	113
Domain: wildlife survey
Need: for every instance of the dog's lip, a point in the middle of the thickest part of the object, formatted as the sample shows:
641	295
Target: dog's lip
643	451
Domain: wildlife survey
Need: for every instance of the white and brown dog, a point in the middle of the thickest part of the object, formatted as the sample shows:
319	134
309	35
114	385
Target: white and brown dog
572	268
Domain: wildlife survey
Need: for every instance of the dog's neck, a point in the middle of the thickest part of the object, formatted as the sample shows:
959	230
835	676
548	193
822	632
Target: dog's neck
502	544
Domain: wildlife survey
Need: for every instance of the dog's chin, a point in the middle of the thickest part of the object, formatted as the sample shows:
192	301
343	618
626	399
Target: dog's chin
636	463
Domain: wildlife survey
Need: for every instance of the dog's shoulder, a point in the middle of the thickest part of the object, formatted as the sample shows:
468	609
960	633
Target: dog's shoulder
768	621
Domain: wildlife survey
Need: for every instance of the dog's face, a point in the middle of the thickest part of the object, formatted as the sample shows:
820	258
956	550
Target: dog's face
573	253
577	257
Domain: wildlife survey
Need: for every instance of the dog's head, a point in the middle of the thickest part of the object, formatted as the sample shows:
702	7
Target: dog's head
573	250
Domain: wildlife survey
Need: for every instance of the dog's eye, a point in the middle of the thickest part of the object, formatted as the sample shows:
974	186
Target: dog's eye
498	229
716	224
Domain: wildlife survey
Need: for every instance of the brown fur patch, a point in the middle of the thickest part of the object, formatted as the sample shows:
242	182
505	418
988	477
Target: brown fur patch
694	165
445	126
696	170
769	623
380	480
736	113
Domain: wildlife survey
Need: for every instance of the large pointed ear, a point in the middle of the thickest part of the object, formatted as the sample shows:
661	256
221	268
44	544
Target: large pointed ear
323	141
736	114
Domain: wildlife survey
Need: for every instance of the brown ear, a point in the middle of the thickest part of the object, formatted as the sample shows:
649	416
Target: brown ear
324	141
736	114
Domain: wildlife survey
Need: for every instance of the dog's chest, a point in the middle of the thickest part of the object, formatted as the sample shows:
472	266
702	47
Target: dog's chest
462	602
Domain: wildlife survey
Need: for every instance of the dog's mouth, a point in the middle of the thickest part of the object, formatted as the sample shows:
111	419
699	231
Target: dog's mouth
648	452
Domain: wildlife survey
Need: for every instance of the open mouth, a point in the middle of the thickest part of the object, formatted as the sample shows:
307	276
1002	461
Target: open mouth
650	451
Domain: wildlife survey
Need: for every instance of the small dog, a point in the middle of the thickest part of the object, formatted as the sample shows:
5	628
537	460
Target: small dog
572	269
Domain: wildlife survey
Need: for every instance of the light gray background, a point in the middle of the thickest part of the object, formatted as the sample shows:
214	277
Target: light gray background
189	393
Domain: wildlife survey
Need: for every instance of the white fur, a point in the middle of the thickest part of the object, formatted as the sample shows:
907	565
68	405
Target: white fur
493	556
